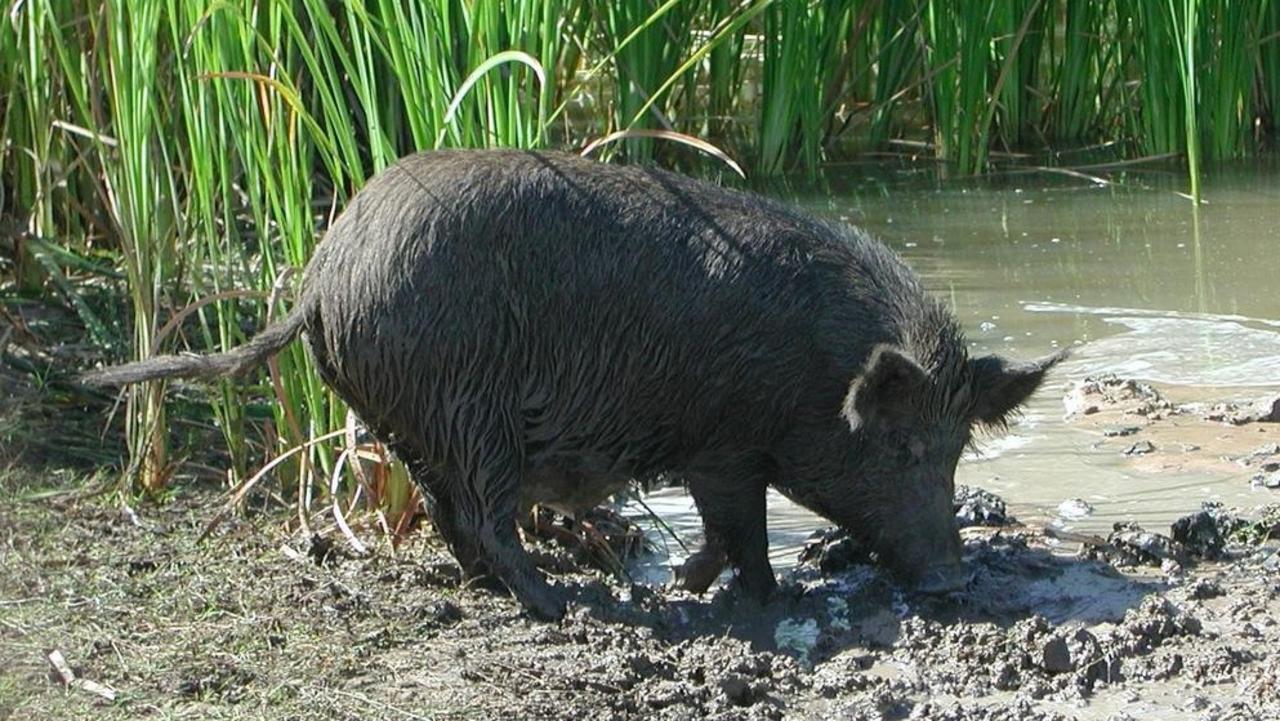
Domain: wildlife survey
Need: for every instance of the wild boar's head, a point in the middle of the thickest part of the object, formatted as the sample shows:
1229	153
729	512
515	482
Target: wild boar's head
909	427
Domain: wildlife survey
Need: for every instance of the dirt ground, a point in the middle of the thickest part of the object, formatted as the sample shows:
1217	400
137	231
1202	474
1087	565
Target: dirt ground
149	622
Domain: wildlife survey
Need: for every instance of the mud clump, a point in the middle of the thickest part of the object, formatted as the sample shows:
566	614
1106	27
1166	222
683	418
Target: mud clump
249	631
1140	448
1263	410
1218	664
1033	657
1130	545
1204	533
1200	536
1120	431
638	675
1091	395
833	550
980	507
1149	626
1022	709
1269	410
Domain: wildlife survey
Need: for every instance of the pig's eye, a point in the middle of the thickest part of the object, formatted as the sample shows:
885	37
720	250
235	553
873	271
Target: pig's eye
908	448
916	447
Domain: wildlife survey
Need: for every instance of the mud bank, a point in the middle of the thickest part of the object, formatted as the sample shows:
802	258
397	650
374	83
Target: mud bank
1161	622
255	625
1159	432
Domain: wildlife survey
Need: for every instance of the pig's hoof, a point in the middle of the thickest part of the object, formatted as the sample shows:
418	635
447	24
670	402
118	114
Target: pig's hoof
700	570
486	581
944	579
758	587
541	600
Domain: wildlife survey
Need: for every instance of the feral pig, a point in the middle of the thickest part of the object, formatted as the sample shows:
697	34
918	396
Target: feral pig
534	327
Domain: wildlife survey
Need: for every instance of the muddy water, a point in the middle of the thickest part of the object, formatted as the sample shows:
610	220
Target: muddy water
1139	282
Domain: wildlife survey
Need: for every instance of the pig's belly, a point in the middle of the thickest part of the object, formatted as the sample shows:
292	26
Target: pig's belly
568	491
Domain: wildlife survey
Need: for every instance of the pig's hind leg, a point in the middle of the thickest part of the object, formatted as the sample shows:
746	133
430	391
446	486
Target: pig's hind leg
501	550
475	510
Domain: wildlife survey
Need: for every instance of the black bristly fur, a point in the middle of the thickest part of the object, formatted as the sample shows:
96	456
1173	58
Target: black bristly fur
527	327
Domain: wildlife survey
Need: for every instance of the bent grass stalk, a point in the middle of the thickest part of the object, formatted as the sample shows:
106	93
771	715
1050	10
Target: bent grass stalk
688	140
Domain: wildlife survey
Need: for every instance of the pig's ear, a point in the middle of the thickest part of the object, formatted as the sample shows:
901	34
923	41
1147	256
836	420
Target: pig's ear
885	388
1001	385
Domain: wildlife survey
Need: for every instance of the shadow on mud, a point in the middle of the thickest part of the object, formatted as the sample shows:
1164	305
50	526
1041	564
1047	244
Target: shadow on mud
816	614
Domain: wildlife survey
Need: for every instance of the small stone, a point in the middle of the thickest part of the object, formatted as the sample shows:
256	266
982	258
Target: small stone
1074	509
1120	431
1204	588
737	689
1269	410
1267	480
1055	656
1141	448
879	630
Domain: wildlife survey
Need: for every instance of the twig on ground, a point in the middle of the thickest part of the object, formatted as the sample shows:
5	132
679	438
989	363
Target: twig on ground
338	518
63	669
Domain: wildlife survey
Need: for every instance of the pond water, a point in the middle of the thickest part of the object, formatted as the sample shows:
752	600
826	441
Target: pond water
1141	284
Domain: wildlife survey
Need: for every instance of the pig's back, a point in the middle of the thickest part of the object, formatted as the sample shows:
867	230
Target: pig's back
634	320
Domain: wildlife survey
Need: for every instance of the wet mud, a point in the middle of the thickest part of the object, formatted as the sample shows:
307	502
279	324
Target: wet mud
256	624
117	612
1156	431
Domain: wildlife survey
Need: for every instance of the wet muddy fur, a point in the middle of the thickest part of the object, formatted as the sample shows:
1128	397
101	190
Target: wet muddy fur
527	327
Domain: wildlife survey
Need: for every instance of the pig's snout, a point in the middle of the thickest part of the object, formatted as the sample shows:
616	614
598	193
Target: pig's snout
942	578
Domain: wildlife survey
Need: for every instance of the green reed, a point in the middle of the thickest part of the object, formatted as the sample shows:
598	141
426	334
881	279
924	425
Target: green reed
203	147
805	48
1269	68
1081	65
